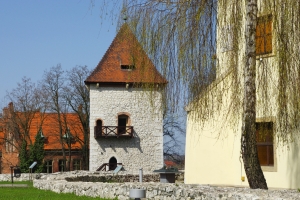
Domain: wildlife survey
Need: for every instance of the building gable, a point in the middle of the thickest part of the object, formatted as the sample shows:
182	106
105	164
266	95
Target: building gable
125	62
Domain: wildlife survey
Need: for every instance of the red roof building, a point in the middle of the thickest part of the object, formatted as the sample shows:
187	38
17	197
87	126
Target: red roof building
46	124
126	93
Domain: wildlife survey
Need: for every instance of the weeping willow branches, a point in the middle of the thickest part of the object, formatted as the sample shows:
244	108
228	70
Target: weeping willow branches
287	32
178	37
198	46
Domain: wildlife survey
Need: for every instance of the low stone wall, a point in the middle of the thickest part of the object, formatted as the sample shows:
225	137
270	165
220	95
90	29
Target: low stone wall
114	178
154	190
164	191
23	177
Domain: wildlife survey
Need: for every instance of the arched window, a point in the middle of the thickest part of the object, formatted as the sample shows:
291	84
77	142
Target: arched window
99	123
98	128
112	163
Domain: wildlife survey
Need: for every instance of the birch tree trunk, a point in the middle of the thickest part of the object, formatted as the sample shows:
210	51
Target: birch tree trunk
252	167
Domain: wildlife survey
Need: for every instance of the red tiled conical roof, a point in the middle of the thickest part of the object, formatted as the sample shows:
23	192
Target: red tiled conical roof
125	61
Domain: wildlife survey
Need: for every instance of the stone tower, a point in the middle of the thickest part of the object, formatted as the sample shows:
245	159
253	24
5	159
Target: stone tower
126	121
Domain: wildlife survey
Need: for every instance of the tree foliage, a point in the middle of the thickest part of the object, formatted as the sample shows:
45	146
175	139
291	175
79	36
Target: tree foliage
199	46
26	100
24	157
78	98
174	134
59	93
53	85
37	153
32	153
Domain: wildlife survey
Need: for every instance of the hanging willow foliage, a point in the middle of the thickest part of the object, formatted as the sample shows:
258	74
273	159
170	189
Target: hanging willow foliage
198	45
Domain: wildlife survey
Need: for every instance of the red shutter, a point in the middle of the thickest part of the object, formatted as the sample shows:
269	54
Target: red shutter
264	35
264	141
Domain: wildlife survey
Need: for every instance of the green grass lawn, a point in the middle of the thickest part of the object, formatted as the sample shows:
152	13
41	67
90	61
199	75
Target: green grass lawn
31	193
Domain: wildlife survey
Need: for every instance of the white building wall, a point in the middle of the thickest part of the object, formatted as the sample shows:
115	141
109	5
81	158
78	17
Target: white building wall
213	156
213	144
145	149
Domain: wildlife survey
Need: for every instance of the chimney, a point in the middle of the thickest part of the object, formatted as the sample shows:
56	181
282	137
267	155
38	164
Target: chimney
11	106
8	110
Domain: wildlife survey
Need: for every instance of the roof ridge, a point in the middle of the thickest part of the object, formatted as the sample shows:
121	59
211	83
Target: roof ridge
105	54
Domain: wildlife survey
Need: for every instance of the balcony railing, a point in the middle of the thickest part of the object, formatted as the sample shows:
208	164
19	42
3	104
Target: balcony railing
113	131
108	166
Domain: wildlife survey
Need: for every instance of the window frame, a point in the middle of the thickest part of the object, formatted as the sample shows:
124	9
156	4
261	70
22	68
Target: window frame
122	129
264	32
76	162
48	164
99	120
62	165
98	128
269	168
127	67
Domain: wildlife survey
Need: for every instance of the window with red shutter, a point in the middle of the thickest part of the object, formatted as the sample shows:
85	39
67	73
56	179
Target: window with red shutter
264	35
264	142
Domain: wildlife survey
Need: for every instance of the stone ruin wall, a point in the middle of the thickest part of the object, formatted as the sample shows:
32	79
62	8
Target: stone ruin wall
154	190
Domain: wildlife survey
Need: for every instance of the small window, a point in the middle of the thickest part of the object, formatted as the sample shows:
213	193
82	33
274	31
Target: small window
264	142
61	165
48	166
99	123
264	35
127	67
98	128
112	163
76	164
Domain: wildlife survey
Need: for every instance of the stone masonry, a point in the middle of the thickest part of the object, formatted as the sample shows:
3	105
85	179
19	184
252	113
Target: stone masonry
145	149
155	190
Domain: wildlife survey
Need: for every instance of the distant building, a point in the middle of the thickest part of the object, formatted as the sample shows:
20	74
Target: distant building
45	124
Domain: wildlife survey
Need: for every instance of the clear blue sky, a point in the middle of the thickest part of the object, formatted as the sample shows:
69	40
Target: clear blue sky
36	35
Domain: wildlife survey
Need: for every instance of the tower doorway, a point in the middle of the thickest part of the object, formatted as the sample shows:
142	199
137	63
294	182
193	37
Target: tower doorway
112	163
122	123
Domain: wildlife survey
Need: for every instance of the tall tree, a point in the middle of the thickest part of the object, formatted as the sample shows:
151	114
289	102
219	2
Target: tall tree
53	84
24	157
252	167
25	101
180	37
37	152
77	96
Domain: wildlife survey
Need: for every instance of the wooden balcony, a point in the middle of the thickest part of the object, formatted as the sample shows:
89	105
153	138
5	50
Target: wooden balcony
113	131
108	166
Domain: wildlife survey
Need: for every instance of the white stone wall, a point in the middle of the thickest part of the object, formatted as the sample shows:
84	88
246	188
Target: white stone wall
162	191
145	149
